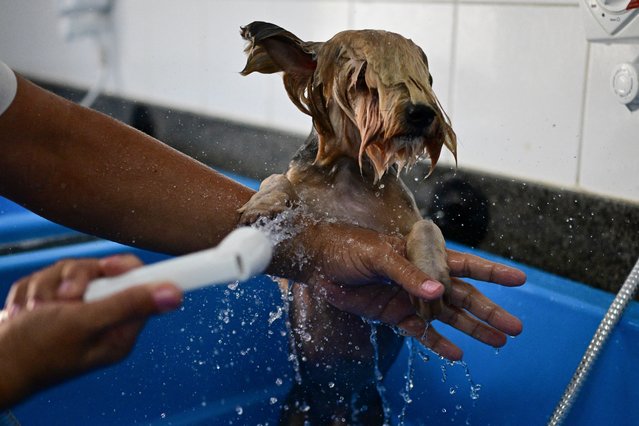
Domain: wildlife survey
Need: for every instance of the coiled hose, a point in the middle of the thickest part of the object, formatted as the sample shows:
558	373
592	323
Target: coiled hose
616	309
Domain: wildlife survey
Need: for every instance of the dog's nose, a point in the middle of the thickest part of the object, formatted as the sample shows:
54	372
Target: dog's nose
419	116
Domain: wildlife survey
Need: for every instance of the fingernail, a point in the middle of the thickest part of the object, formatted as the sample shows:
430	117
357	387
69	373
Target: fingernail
166	299
13	310
110	260
66	288
432	287
32	304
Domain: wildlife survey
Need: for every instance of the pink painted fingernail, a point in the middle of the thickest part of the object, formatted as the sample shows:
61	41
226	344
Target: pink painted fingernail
33	304
13	310
432	287
66	288
166	299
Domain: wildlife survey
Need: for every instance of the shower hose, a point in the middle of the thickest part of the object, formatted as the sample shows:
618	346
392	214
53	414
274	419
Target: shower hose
616	309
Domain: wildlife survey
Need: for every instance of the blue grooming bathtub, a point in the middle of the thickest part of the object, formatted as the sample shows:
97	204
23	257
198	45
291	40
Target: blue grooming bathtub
223	358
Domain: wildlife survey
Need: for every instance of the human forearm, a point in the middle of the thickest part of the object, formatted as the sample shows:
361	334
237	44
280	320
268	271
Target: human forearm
87	171
12	386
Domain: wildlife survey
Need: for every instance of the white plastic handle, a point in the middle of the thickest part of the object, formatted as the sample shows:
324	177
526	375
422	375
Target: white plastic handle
244	253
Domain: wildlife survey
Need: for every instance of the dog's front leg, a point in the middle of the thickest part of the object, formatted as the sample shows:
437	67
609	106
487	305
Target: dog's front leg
275	195
426	248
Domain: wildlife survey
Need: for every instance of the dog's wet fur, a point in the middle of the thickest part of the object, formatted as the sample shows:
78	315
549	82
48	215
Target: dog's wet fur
374	113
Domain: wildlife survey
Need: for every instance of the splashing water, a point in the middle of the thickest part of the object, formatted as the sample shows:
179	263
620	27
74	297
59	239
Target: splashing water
278	228
274	316
293	356
378	374
475	388
410	375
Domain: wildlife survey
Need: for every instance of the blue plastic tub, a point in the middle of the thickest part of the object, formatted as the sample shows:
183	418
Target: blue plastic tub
223	360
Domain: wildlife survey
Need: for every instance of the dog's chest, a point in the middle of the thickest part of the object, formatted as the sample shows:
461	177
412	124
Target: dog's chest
349	197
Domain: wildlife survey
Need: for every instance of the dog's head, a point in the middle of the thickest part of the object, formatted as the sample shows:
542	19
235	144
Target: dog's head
369	93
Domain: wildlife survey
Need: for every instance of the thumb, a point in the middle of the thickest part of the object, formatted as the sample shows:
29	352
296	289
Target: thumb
135	303
415	281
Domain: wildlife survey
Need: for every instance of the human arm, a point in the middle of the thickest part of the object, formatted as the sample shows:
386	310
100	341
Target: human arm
48	335
87	171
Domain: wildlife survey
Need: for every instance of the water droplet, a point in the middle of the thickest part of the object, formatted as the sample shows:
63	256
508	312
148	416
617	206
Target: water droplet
331	385
278	382
273	316
239	410
272	400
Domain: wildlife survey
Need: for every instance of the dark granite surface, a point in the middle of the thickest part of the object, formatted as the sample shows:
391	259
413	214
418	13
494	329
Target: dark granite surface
581	236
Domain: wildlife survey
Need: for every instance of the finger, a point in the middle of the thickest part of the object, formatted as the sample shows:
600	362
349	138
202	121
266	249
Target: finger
440	345
43	285
119	264
137	303
471	266
114	343
383	302
471	326
75	276
423	331
465	296
17	293
408	276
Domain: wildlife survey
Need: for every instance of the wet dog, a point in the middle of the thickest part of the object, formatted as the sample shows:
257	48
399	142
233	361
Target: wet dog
374	114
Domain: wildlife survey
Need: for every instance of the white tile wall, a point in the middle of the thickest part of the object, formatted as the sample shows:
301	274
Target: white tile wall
30	41
528	97
262	97
163	53
518	90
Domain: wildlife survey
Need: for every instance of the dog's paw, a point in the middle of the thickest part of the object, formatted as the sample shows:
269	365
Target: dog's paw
264	205
276	195
426	248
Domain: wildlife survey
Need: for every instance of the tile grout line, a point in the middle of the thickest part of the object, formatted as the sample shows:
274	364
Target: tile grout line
453	61
582	117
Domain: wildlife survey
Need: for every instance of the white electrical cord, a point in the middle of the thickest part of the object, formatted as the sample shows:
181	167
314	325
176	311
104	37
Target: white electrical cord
90	18
103	72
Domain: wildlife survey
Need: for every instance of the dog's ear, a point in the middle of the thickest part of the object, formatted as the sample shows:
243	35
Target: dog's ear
272	49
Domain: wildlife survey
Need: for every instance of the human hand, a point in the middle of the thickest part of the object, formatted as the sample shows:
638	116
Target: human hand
358	264
47	334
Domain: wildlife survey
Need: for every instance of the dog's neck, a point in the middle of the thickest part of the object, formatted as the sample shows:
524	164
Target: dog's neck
342	160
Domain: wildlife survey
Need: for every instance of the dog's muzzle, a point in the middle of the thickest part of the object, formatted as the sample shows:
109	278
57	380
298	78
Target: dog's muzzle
418	118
